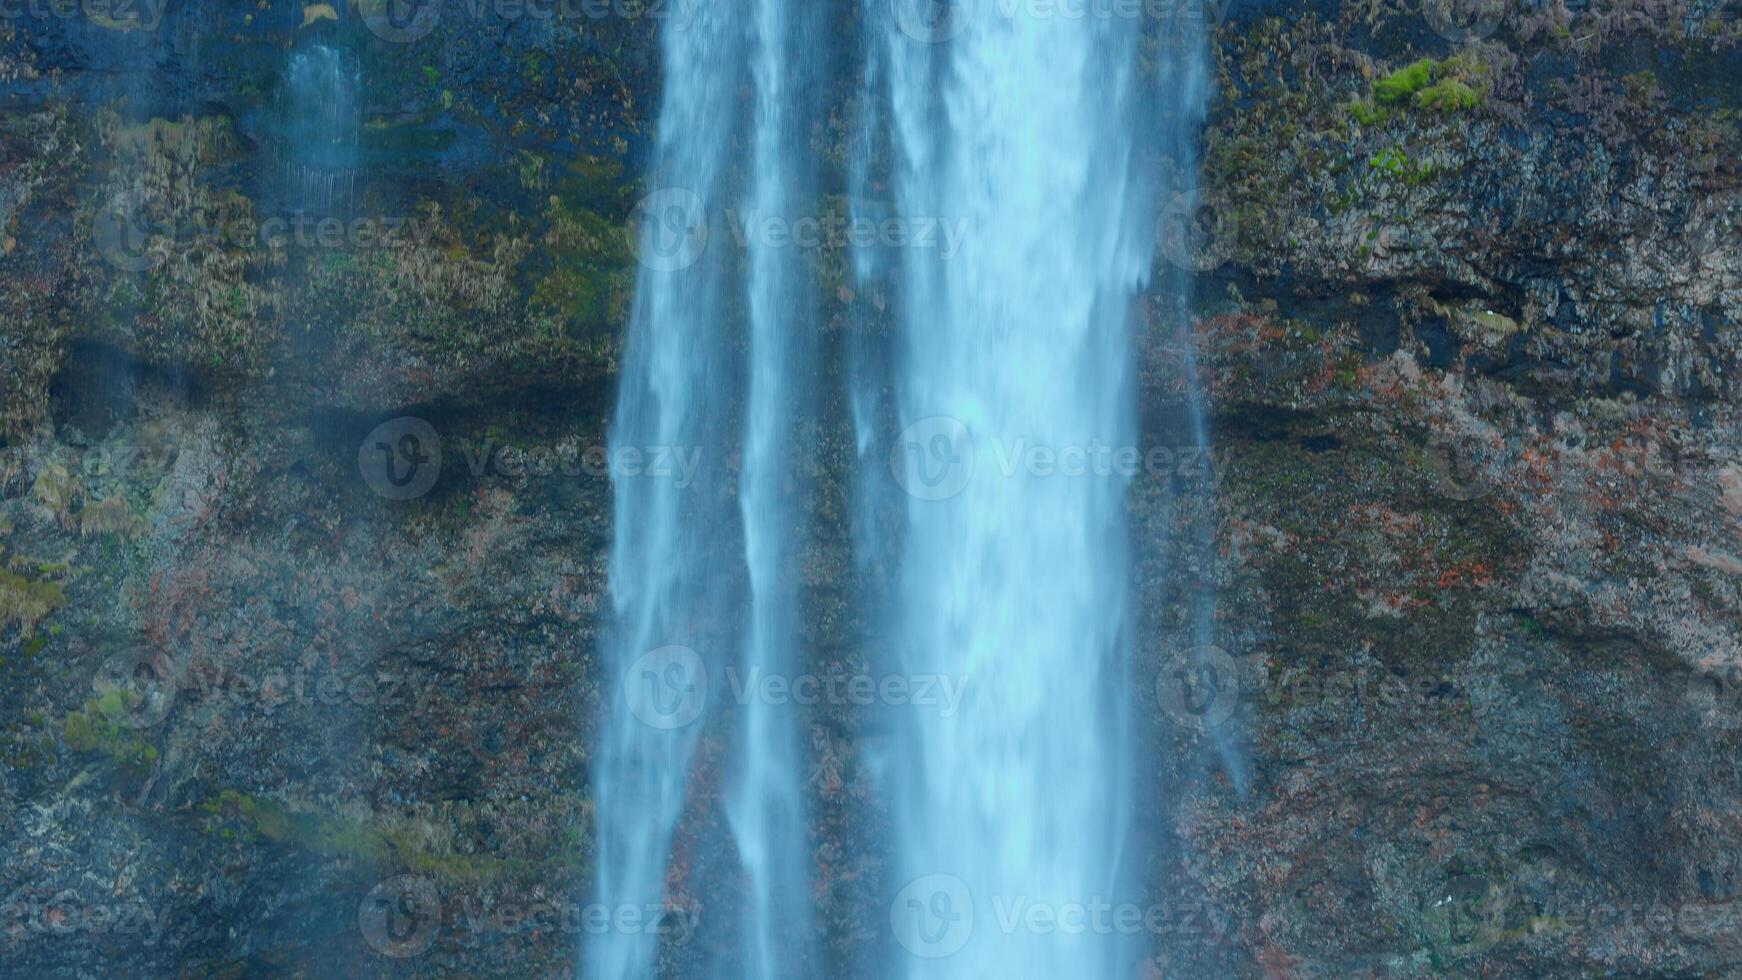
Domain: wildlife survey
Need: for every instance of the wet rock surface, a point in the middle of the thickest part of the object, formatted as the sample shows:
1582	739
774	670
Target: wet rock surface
1466	314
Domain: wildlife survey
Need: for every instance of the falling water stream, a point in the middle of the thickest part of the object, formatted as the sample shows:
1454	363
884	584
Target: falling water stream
1014	576
766	807
320	131
1031	134
670	542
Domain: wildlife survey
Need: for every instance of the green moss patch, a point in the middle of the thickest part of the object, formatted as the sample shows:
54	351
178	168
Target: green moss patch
1456	84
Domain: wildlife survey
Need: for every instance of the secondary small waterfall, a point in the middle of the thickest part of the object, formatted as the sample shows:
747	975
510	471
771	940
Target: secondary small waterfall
322	120
673	607
1014	568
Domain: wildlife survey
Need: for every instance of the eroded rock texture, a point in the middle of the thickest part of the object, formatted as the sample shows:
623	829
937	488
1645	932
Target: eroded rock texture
1466	310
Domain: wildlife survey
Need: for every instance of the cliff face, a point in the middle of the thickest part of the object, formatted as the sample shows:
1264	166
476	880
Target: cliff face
1467	294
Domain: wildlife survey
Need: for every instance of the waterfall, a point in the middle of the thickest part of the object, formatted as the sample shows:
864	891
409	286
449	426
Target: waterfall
987	555
322	120
671	544
1013	571
766	807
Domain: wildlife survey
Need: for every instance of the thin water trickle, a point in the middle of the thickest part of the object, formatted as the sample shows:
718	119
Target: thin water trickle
320	131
